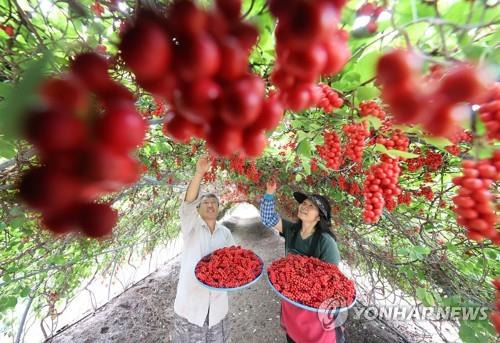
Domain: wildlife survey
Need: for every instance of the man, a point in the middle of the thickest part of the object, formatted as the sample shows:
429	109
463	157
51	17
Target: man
200	315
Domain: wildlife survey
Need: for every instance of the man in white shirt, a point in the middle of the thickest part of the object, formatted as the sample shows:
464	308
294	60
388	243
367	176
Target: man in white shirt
200	314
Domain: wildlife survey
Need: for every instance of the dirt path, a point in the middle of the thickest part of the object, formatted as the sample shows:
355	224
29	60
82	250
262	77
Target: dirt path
144	313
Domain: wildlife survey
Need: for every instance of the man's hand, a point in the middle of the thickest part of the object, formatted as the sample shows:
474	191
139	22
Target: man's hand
271	187
203	165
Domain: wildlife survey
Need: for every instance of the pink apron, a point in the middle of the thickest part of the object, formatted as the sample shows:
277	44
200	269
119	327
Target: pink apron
304	326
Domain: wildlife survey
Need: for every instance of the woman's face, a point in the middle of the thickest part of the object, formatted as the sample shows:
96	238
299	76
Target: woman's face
308	212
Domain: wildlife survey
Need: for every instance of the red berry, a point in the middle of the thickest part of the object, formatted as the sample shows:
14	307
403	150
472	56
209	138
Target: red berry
92	69
196	56
47	189
145	48
254	142
54	130
121	127
97	220
462	84
196	100
179	128
66	93
241	104
224	139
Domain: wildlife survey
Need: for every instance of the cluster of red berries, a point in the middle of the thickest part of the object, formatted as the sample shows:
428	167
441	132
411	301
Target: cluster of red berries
210	175
308	44
426	192
237	164
331	150
310	281
433	160
329	99
460	135
252	172
405	93
380	186
397	141
354	189
489	112
457	137
229	267
371	108
373	11
84	147
404	198
356	134
474	200
313	164
97	8
198	61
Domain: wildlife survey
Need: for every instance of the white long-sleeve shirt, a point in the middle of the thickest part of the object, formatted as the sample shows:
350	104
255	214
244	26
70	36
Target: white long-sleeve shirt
192	300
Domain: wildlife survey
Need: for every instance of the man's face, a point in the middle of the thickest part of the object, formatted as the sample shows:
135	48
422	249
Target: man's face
209	208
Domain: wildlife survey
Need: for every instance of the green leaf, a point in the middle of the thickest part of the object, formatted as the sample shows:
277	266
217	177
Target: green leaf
372	121
5	89
8	302
304	148
438	142
425	296
21	97
485	151
352	77
399	153
25	291
467	334
7	150
473	52
366	65
380	148
366	93
306	164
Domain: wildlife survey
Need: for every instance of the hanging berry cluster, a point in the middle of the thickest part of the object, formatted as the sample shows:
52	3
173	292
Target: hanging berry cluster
397	141
380	188
198	61
474	200
372	11
330	151
371	108
84	146
489	112
356	135
432	105
329	99
310	281
229	267
404	198
457	137
426	192
309	44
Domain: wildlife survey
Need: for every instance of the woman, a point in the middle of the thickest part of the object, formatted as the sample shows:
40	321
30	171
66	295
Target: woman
310	236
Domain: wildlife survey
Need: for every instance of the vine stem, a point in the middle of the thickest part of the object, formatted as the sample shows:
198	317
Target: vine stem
25	314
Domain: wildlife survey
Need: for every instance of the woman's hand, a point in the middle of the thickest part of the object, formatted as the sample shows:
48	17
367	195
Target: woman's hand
203	165
271	187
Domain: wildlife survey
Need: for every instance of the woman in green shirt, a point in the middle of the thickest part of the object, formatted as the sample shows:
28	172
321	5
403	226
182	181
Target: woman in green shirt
310	236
